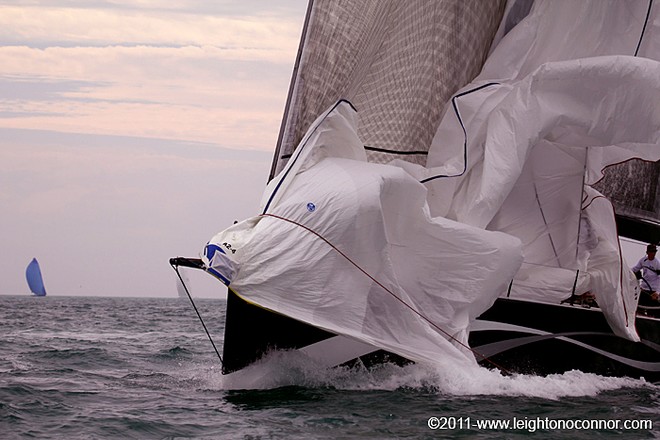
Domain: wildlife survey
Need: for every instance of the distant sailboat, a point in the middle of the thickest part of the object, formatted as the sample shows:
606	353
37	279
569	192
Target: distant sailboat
34	279
180	288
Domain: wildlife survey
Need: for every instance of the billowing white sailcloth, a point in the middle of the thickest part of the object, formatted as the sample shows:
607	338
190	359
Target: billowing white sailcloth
560	98
367	251
350	247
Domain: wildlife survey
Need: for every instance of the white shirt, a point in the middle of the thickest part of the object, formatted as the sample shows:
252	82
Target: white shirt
648	268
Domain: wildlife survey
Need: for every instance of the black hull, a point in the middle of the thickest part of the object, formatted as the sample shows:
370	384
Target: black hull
519	336
550	339
251	332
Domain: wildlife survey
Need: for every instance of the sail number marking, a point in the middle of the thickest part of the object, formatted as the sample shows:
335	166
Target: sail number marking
229	247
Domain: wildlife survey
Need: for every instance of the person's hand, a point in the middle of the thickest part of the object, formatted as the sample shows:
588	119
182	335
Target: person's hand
654	296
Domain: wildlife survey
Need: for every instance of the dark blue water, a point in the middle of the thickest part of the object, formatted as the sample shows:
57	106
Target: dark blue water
86	367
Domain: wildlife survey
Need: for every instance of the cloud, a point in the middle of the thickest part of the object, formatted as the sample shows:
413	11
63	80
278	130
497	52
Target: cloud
115	122
179	93
54	175
193	67
238	127
245	36
148	68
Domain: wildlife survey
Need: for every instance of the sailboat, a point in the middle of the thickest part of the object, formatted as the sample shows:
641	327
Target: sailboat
181	282
34	278
450	183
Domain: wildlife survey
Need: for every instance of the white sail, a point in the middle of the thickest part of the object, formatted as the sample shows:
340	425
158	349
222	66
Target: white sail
492	194
349	246
398	62
560	100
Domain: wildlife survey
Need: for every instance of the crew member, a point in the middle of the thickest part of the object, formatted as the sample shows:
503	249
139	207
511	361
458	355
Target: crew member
647	270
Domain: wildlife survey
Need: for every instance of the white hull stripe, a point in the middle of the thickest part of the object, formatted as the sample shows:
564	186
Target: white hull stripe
508	344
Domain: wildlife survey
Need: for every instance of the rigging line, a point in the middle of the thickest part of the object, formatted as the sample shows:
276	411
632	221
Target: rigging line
577	274
545	222
641	37
411	308
647	283
176	269
579	215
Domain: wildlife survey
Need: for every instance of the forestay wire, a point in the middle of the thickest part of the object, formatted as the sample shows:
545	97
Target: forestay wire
176	269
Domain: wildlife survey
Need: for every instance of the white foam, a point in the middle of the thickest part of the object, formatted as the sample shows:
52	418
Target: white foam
280	369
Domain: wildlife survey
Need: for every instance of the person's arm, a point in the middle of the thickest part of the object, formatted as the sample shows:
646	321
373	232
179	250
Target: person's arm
656	266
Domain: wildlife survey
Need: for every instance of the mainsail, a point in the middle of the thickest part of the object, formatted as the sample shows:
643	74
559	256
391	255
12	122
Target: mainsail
632	187
396	61
416	184
34	279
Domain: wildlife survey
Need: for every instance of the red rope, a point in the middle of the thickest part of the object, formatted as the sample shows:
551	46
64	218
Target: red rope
411	308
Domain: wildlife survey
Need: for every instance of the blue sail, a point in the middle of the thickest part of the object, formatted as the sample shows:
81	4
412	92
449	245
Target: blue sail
34	280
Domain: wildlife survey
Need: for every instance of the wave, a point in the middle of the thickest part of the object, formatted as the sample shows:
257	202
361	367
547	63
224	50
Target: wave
175	353
148	376
291	368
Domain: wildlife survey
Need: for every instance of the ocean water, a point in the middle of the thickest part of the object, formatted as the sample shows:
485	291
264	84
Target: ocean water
89	367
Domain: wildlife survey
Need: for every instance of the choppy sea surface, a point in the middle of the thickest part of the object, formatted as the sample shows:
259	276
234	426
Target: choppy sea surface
90	367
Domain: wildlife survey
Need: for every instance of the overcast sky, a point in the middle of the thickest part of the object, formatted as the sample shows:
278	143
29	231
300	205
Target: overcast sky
131	131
